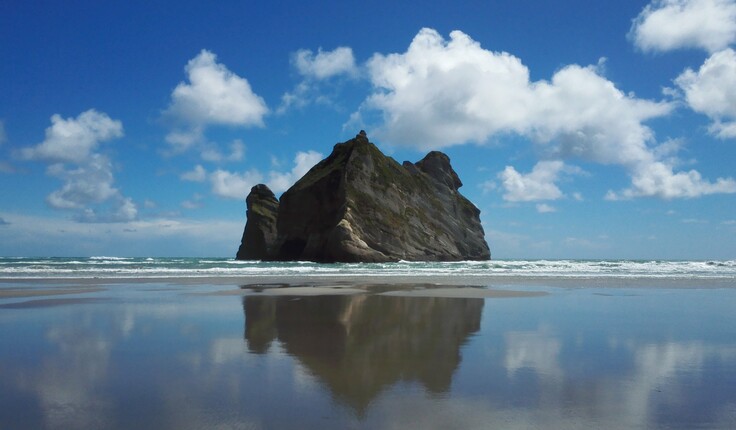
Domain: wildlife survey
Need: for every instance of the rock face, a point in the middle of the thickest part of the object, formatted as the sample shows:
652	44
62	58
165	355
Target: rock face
259	237
358	205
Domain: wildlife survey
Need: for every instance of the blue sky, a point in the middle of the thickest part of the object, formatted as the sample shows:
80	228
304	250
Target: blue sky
580	129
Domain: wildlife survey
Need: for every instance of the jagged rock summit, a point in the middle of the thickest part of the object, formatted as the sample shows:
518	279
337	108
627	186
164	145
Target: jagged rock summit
358	205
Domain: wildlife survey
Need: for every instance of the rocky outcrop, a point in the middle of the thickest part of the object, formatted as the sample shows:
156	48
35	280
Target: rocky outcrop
358	205
260	235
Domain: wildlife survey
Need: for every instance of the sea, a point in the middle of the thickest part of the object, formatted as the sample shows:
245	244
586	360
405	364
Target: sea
158	267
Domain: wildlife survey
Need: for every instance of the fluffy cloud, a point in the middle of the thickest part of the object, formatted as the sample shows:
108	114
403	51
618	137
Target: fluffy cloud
88	182
213	95
237	185
449	92
91	182
89	191
724	130
543	208
712	91
325	64
441	93
182	140
303	161
73	140
315	69
658	179
665	25
234	185
213	154
197	174
539	184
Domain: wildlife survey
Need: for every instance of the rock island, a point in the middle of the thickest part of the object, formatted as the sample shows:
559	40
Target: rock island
359	205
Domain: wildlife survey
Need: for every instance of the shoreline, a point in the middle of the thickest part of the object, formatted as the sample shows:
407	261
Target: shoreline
46	290
349	280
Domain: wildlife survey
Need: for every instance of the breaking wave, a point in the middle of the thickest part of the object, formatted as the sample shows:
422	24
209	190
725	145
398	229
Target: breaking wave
152	267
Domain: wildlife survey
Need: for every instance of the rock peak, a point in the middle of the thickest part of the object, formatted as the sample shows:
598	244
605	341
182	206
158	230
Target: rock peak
437	165
360	138
260	191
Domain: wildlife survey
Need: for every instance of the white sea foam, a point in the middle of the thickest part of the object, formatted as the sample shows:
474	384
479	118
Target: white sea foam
110	258
116	267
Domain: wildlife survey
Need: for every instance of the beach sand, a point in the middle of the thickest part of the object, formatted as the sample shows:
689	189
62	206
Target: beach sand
374	352
14	292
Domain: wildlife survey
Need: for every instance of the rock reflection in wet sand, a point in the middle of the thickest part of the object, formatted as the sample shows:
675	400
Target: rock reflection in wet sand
361	345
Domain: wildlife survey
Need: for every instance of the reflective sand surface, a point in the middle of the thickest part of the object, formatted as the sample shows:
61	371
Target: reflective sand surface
391	357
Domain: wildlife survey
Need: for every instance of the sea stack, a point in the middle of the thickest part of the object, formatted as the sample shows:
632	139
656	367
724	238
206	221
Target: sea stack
259	236
358	205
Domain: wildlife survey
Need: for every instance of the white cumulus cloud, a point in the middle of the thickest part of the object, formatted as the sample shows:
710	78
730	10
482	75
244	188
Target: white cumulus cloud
89	190
197	174
325	64
213	95
450	92
88	180
658	179
316	70
539	184
234	185
237	185
303	161
711	90
441	93
74	139
665	25
91	182
182	140
543	208
122	209
212	153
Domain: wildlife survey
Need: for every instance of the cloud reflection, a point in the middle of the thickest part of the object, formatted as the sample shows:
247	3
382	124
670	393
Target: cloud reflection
538	351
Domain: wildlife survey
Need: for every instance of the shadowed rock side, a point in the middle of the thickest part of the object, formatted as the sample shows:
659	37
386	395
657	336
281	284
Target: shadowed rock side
360	345
259	236
358	205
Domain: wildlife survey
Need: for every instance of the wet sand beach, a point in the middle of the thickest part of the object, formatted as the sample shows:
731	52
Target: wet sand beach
340	352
